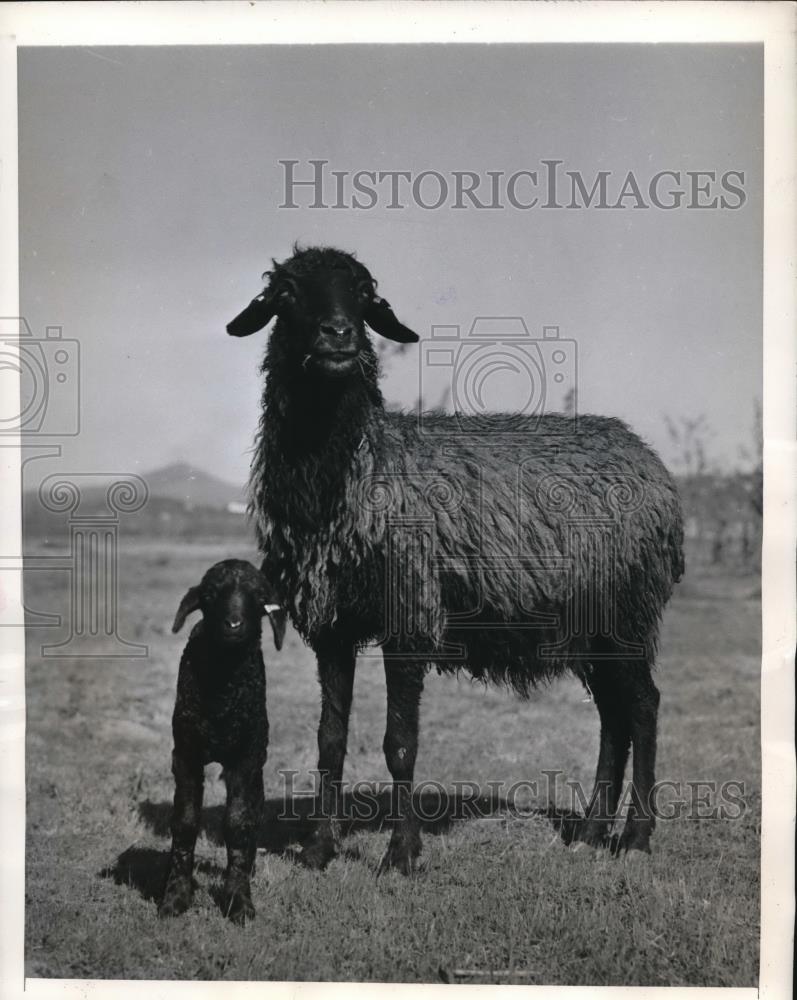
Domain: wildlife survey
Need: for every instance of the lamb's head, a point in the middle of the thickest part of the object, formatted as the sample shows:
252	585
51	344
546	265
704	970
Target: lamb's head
233	596
324	298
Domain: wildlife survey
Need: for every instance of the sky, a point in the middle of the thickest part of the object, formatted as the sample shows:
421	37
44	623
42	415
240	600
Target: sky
150	194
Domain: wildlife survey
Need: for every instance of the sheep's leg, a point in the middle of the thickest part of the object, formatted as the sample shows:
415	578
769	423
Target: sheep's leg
643	697
615	744
242	817
336	674
404	688
189	777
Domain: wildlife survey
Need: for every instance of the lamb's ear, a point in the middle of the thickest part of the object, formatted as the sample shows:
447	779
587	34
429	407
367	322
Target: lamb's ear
381	318
256	315
278	618
188	604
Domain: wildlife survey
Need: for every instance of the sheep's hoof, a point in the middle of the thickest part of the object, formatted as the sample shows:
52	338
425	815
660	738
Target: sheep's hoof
238	901
592	832
316	854
400	856
634	839
240	908
637	860
177	898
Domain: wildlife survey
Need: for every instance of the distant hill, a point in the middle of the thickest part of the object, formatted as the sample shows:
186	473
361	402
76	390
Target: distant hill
192	487
188	486
183	502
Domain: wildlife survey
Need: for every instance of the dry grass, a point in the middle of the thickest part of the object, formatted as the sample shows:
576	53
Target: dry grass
500	899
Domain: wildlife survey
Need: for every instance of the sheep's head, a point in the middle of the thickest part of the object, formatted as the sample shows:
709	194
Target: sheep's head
233	596
325	298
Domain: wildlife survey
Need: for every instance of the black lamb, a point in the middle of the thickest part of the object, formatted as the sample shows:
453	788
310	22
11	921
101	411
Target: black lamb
220	715
510	547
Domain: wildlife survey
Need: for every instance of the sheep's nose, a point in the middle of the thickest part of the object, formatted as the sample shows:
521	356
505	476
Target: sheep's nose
337	331
233	623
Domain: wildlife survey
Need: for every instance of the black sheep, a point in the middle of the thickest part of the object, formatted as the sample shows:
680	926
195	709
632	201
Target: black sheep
220	715
510	547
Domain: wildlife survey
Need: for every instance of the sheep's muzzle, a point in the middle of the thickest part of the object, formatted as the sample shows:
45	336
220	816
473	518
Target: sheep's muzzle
333	363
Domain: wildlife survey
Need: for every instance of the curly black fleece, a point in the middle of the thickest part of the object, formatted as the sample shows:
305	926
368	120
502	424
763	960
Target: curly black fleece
220	715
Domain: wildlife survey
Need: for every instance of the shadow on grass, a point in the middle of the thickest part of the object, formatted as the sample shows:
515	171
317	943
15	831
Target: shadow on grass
287	822
145	869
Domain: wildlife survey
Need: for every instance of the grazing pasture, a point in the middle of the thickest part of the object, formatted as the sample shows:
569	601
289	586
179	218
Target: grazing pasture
500	898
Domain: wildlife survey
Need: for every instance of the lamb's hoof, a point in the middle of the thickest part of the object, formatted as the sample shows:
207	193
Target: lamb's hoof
240	908
316	854
637	860
177	898
237	898
635	839
400	856
593	833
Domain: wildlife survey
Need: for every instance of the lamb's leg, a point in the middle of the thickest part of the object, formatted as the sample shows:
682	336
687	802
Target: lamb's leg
336	674
643	697
189	779
615	743
242	818
404	687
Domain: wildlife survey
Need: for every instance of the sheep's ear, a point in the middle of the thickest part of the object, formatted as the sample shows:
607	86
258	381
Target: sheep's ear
256	315
278	618
381	318
188	604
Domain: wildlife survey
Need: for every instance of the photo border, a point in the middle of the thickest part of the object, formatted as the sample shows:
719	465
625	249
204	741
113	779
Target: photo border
311	22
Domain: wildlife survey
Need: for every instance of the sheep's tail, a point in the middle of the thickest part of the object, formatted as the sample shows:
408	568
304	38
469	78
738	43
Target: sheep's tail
255	487
676	539
678	559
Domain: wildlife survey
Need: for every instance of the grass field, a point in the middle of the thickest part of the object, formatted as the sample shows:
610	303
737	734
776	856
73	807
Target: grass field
500	898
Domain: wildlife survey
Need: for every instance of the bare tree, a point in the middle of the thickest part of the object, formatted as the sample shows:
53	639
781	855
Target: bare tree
690	438
753	455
